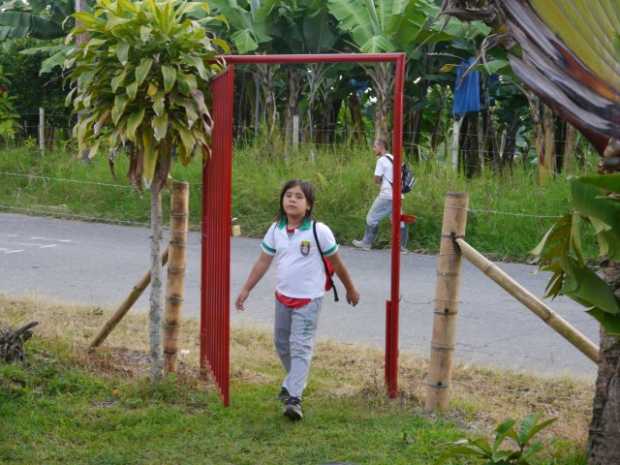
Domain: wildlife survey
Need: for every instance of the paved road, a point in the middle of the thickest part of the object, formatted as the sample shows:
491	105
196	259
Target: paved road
97	264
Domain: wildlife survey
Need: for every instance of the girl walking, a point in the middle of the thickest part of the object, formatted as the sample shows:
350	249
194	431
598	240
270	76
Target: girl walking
294	241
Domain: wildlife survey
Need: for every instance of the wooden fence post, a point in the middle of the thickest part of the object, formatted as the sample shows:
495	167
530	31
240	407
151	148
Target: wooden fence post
446	301
123	308
42	130
179	213
295	131
531	302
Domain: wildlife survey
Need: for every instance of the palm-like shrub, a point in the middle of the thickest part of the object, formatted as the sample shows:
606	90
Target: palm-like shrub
139	86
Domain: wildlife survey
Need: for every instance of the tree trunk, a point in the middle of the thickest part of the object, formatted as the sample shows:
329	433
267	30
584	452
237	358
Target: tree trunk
456	137
315	81
294	88
510	146
357	119
481	121
416	120
155	312
326	117
266	74
469	155
382	85
570	146
547	164
604	438
256	109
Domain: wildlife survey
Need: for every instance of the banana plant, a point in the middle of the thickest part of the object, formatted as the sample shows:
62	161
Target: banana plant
302	26
48	22
34	18
568	53
140	85
384	26
247	24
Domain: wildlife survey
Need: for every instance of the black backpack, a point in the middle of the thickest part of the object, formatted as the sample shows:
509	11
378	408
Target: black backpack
408	179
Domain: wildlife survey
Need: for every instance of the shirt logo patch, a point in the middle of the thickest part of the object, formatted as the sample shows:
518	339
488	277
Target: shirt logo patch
304	248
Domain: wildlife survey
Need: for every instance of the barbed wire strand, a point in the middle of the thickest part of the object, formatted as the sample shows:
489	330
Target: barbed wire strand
199	185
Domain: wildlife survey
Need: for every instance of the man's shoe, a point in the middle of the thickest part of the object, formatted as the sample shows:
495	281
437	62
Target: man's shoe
284	395
361	245
292	409
404	250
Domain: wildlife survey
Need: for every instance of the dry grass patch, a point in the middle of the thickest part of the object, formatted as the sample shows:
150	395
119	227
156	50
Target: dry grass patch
481	397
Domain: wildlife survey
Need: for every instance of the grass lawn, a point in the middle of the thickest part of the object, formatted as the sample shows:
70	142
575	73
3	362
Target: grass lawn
65	406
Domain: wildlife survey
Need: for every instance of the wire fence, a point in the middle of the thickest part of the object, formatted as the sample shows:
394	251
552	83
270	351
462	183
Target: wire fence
251	217
320	135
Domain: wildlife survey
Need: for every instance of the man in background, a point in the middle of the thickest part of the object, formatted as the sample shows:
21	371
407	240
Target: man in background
382	206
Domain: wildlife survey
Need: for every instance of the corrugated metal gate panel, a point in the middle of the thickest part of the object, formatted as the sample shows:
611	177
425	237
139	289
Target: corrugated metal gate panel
216	231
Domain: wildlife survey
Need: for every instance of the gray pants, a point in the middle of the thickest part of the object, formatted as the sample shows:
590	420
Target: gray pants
294	340
381	208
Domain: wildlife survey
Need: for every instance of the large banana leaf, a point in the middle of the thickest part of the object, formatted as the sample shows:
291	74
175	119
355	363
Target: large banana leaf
16	24
566	51
247	20
383	25
34	18
560	250
582	83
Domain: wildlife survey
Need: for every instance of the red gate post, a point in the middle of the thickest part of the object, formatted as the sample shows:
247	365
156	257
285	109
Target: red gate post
393	305
216	229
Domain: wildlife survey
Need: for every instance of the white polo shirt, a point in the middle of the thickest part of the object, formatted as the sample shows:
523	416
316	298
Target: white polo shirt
299	269
385	169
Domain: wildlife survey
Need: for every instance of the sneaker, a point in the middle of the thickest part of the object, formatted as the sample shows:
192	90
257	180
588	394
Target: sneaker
284	395
292	409
361	245
404	250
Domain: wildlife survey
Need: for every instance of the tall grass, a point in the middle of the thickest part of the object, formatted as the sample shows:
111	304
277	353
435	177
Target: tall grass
342	176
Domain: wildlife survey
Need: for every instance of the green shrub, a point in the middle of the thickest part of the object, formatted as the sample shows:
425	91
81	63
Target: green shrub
492	453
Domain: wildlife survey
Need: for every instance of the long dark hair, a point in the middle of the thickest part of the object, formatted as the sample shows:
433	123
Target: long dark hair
306	187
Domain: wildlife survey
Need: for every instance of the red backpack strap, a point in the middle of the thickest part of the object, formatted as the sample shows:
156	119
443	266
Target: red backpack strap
328	272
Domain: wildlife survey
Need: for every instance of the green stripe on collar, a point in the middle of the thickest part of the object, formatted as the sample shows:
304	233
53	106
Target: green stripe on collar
304	226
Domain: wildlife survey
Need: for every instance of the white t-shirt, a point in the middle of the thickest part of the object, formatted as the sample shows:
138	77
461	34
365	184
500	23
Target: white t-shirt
300	271
385	168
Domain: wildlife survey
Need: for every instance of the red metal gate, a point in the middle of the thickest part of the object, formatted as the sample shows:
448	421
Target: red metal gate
216	214
216	210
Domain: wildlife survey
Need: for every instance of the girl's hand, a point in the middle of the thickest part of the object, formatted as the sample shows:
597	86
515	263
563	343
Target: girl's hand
241	298
353	297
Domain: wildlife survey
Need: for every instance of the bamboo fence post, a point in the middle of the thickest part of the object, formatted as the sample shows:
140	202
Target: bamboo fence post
123	308
537	306
179	214
446	301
